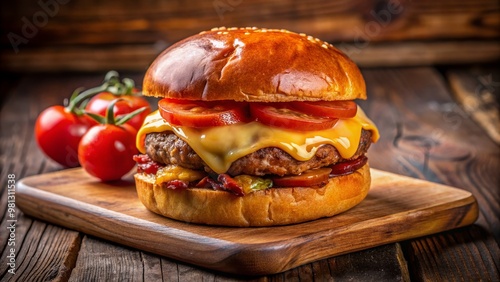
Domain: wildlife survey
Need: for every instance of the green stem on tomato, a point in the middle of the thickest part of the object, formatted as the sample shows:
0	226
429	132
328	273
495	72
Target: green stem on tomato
129	86
121	119
110	115
110	75
78	98
110	84
116	87
110	112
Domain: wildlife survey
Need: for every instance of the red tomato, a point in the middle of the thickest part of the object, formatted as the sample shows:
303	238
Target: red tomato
99	103
201	113
106	151
332	109
349	166
58	132
282	115
309	178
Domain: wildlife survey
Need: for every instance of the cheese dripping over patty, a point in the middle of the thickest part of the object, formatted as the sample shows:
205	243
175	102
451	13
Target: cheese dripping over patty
220	146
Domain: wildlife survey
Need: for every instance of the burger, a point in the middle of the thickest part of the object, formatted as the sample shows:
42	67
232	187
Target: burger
255	127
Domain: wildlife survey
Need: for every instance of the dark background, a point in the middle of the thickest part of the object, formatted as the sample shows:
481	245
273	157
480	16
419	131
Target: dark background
77	35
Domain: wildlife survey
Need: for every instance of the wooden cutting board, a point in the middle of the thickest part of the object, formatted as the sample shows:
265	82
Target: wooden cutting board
396	208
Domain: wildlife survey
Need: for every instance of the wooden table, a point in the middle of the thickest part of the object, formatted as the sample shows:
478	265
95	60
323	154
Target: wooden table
436	124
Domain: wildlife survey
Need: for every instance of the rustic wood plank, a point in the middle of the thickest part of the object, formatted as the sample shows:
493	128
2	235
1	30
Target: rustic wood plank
431	137
341	268
384	262
421	53
123	57
477	92
128	35
113	22
426	268
100	261
47	252
8	81
138	57
346	268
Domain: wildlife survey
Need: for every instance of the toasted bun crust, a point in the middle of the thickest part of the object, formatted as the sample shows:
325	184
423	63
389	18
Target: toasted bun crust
275	206
257	65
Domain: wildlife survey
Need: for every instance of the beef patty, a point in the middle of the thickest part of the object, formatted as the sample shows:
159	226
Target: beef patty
167	148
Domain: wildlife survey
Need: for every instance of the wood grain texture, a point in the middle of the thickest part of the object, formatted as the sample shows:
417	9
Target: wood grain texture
100	261
43	252
111	22
49	251
385	216
421	53
138	57
430	137
444	246
345	267
127	35
477	92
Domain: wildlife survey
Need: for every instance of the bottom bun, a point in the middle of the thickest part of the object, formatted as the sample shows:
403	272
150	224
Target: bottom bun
274	206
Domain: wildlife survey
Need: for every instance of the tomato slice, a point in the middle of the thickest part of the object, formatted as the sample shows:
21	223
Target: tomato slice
282	115
201	113
309	178
348	167
332	109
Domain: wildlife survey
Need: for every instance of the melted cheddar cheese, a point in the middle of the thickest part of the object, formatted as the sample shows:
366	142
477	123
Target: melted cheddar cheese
220	146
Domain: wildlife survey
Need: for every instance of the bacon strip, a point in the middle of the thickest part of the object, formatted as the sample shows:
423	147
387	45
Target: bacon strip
229	184
224	182
146	164
177	184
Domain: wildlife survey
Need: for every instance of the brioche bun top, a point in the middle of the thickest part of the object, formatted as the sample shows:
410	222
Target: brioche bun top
256	65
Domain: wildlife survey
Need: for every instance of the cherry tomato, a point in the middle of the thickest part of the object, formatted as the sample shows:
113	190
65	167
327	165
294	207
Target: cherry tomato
58	131
282	115
99	103
332	109
106	151
348	167
309	178
201	113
